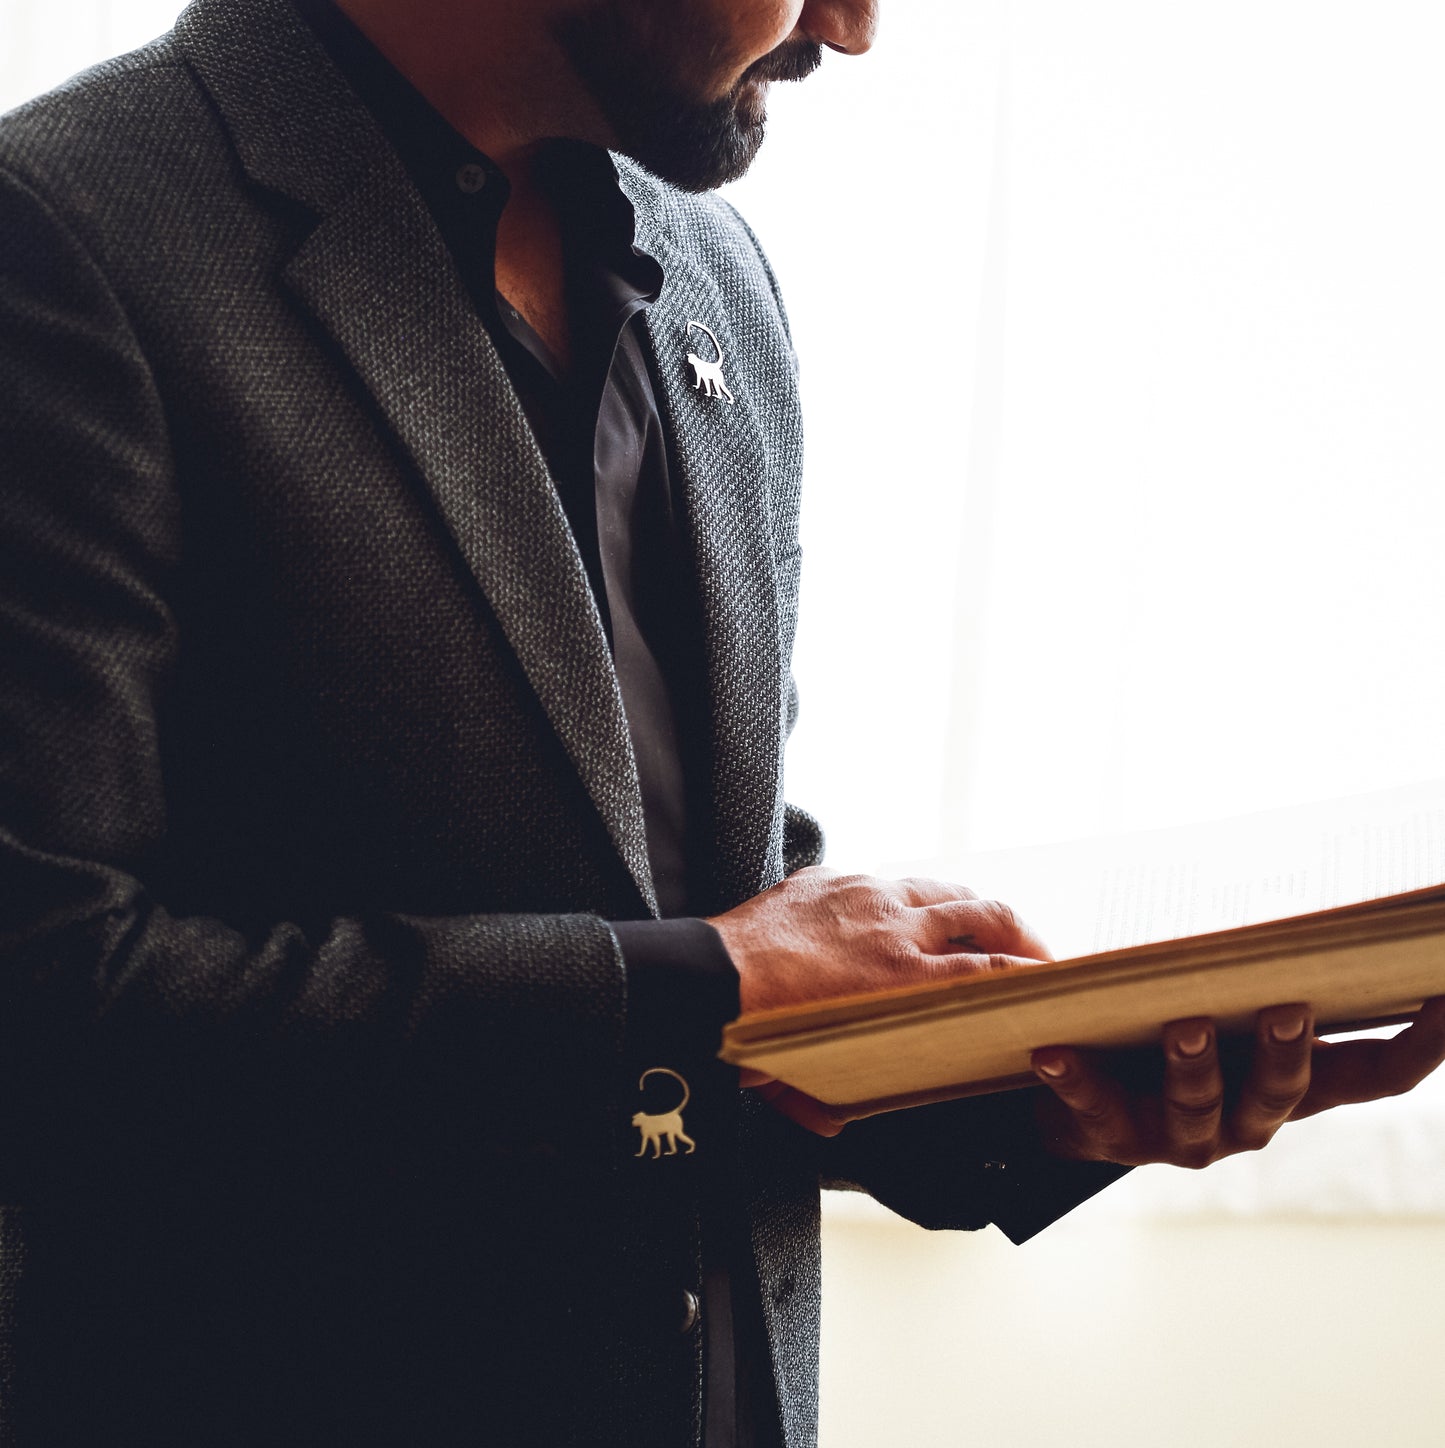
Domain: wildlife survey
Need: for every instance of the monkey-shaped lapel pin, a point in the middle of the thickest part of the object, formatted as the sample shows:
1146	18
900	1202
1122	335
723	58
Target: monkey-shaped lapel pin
707	377
666	1124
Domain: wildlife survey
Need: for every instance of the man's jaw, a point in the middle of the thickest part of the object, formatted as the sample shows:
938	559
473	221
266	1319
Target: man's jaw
674	129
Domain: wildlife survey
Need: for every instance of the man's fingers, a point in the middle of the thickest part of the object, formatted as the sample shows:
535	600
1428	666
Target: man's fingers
1425	1040
817	1116
1193	1093
1100	1123
980	927
1279	1077
949	967
1418	1049
1354	1071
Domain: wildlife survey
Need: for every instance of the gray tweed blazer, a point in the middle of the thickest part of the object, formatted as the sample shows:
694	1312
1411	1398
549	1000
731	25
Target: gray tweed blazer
316	793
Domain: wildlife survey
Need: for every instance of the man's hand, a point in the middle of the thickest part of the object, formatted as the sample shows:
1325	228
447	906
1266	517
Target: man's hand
1203	1111
818	935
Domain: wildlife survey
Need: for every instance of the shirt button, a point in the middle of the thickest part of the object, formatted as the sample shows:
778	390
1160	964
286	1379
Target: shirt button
471	178
691	1311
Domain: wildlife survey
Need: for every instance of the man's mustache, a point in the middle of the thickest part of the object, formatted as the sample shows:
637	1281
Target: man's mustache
793	60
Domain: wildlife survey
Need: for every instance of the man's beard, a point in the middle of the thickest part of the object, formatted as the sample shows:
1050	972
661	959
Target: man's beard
630	67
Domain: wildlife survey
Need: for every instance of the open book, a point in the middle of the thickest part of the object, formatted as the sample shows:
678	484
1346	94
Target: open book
1367	947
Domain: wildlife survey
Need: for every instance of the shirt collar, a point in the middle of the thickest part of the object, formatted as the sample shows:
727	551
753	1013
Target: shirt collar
454	177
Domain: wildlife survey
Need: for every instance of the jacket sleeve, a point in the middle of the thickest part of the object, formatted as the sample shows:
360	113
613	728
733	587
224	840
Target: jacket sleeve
117	1016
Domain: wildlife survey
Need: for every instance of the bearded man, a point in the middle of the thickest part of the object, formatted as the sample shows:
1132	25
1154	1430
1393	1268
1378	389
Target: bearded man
396	636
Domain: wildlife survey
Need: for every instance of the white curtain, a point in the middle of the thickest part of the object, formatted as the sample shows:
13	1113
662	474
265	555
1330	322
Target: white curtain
1121	331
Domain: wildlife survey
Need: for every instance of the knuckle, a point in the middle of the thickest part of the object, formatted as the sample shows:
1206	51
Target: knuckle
1196	1108
1093	1114
1280	1101
1254	1138
922	885
903	958
1196	1156
809	875
888	910
1117	1145
1004	919
869	899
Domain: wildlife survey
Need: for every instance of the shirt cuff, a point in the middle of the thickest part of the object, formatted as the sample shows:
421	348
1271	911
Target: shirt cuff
682	987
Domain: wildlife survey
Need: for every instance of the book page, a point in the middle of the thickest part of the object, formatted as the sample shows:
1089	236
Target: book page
1098	894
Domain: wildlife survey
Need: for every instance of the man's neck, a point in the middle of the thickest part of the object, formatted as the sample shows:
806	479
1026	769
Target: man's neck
493	70
530	264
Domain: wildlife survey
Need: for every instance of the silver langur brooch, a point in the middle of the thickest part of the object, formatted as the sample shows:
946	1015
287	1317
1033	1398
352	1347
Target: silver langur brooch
707	376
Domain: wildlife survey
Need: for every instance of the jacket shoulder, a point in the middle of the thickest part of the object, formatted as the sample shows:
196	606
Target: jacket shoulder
96	146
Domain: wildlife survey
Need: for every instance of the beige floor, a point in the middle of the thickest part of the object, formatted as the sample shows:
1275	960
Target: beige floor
1113	1333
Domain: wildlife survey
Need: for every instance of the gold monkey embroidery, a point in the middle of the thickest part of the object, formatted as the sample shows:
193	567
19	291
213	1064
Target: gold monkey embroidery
708	375
665	1123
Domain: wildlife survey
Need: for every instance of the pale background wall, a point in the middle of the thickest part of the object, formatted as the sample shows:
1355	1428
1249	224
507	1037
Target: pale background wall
1291	1298
1191	1334
1121	333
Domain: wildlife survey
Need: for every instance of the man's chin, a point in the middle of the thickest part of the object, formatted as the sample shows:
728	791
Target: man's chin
750	105
704	157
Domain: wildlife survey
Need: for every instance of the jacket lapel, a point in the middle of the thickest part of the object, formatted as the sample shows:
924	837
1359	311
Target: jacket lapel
377	278
723	468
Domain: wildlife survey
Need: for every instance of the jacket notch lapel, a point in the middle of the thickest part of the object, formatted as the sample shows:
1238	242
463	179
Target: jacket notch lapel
723	468
376	277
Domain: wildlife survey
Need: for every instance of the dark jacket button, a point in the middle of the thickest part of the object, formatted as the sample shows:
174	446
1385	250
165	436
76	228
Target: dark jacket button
691	1311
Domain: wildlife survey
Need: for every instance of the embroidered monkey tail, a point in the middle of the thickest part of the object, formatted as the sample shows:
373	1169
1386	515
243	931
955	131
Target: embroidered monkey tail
667	1071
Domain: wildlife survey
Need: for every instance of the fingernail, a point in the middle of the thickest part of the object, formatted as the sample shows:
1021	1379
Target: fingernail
1051	1067
1287	1030
1194	1044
